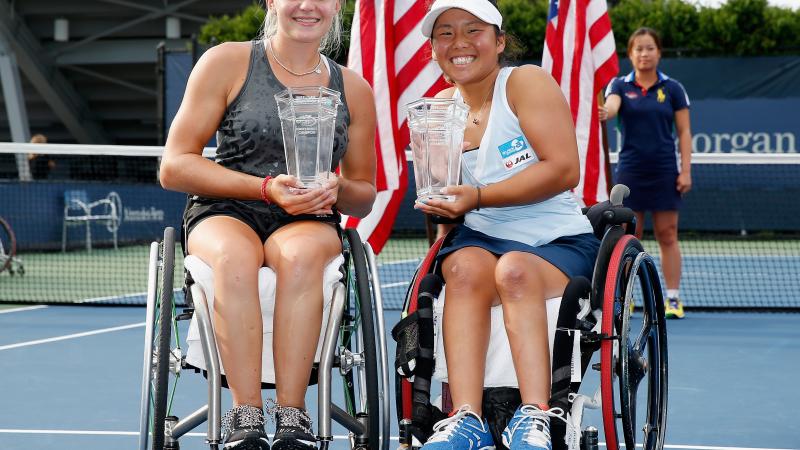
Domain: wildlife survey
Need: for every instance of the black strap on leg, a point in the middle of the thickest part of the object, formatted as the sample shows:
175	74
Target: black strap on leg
577	288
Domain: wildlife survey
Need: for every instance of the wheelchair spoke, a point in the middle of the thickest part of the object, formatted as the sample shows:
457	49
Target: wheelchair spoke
640	344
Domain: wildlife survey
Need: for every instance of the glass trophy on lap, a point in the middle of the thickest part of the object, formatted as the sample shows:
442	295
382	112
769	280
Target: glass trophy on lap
308	123
437	127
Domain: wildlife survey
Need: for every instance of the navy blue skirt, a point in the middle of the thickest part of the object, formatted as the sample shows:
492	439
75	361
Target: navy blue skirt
573	255
651	192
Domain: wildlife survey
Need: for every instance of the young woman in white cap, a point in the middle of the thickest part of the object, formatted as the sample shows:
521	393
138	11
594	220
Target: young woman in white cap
523	234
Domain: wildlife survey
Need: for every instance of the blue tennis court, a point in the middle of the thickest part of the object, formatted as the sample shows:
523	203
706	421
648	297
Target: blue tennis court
71	378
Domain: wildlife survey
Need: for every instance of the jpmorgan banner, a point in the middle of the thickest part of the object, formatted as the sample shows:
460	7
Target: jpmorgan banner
750	125
738	105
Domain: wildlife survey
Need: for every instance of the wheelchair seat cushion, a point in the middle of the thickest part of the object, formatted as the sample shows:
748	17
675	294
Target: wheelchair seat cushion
204	277
499	371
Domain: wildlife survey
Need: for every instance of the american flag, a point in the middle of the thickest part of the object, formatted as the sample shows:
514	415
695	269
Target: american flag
580	54
387	48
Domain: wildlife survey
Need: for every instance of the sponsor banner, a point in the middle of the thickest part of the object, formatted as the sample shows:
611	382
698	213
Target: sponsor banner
728	198
36	212
752	125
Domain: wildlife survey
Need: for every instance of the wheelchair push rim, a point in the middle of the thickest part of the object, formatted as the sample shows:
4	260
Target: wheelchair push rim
161	360
629	355
361	382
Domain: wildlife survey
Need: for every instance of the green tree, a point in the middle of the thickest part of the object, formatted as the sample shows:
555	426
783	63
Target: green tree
526	21
738	27
242	27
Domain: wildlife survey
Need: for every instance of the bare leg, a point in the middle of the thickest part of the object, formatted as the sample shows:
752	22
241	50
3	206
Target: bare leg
524	282
298	253
665	226
233	250
469	293
639	224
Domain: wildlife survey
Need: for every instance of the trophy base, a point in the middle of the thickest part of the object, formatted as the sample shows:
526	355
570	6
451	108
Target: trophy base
447	198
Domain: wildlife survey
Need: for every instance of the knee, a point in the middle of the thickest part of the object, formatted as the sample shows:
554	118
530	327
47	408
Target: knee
514	280
299	258
232	263
465	274
667	236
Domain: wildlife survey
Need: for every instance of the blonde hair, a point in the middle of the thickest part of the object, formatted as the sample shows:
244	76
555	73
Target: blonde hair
330	42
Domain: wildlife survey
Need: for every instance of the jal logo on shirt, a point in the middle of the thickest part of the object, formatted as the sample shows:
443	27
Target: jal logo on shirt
632	95
515	153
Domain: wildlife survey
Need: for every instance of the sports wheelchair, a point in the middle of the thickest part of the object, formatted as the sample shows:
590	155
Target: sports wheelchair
590	316
352	343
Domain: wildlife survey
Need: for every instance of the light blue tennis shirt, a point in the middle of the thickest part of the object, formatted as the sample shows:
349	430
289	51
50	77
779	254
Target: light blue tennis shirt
504	152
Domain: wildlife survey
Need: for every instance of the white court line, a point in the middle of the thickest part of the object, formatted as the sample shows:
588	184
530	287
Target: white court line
22	308
112	297
711	447
86	300
402	261
393	438
71	336
391	285
136	433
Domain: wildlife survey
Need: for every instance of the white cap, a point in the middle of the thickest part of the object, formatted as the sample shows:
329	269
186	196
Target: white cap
481	9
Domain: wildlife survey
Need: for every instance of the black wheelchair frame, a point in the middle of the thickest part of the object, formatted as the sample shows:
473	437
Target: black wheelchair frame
600	311
353	342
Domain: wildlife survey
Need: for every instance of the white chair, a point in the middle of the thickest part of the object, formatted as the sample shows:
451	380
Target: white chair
78	210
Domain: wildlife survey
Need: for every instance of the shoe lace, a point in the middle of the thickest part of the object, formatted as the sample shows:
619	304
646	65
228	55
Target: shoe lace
538	436
290	417
444	429
242	416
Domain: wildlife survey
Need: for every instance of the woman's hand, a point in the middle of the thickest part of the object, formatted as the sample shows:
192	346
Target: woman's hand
466	199
287	192
602	113
684	182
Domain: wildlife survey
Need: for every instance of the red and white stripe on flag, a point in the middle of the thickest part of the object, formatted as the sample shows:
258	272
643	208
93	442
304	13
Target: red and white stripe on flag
580	53
388	49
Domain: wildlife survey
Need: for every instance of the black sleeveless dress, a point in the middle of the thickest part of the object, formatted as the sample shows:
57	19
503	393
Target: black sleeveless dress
250	141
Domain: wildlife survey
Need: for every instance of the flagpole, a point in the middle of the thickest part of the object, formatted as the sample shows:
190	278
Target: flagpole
601	101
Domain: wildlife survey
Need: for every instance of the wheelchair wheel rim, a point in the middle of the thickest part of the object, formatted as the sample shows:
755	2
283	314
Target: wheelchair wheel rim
164	331
362	382
643	358
609	348
624	363
8	245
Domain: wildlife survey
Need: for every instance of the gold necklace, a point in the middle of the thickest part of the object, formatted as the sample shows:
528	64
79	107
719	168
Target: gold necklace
477	118
317	69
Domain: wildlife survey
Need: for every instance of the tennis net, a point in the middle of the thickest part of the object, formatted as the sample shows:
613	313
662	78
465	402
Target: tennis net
739	231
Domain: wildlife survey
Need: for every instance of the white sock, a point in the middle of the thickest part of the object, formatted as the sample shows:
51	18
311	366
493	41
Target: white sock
673	293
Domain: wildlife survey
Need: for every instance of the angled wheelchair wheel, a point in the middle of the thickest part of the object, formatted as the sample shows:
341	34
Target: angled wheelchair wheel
633	360
358	349
8	246
161	360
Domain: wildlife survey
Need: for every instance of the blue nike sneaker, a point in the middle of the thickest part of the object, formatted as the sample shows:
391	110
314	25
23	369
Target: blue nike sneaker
529	429
463	430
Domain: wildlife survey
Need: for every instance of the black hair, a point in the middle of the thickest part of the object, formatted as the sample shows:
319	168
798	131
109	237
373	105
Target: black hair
642	32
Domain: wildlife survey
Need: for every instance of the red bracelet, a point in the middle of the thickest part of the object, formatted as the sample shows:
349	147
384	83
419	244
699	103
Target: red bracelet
264	190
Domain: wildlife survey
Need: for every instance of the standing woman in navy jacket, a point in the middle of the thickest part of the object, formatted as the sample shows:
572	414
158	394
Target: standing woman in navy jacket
652	109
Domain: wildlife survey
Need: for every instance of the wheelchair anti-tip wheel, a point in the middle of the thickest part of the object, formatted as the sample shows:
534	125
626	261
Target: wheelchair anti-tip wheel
161	361
633	353
358	356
